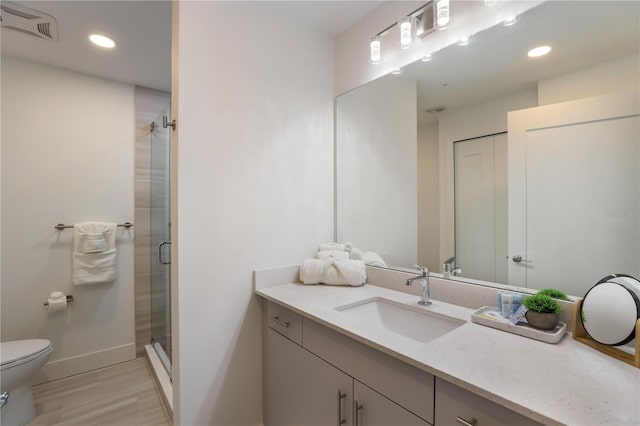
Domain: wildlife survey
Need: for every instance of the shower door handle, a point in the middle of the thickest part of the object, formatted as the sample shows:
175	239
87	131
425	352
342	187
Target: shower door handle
160	253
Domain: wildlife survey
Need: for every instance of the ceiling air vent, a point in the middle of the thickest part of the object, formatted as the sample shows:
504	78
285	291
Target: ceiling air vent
28	21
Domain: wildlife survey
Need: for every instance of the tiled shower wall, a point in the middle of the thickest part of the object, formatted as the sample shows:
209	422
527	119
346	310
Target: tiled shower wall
149	105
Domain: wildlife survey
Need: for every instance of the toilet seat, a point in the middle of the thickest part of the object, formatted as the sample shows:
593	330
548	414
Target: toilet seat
18	352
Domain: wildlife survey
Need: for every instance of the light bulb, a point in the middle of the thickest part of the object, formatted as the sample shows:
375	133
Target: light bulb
539	51
406	33
102	41
376	49
442	16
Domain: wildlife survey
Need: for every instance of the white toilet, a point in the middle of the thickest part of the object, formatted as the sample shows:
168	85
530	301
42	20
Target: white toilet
19	361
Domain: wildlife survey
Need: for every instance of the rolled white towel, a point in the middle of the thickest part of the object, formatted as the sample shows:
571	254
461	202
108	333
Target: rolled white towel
332	254
311	271
346	272
373	259
333	272
335	246
357	254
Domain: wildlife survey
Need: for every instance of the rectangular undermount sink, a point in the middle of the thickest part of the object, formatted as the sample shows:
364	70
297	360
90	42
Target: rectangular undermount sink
410	321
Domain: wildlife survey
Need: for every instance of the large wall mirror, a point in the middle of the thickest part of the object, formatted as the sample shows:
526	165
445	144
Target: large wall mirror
526	170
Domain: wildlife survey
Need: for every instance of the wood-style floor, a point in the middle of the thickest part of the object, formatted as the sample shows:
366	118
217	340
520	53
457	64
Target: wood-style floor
120	395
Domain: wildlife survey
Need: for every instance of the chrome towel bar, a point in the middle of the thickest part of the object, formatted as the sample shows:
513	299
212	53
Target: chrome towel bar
62	226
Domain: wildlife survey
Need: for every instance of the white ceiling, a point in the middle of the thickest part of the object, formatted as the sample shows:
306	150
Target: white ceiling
495	64
142	30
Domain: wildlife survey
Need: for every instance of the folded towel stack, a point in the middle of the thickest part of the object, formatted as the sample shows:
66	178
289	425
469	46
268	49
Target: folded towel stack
369	258
333	272
335	247
332	254
94	253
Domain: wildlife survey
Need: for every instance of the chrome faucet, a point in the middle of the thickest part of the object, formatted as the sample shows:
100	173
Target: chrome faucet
446	268
424	281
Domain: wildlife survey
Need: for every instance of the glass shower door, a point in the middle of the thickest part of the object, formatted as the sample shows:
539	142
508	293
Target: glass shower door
161	240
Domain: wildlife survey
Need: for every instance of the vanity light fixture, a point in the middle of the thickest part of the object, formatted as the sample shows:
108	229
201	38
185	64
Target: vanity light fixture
406	32
396	71
375	45
464	41
442	14
509	20
431	16
539	51
426	58
102	41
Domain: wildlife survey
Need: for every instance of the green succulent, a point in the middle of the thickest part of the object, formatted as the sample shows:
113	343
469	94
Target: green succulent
552	292
542	303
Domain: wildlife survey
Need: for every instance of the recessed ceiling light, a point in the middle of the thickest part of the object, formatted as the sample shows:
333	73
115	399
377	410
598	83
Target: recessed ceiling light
464	41
396	71
426	58
539	51
102	41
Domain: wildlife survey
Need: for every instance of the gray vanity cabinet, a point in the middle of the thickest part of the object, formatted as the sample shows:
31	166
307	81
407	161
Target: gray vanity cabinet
316	376
456	406
300	388
374	409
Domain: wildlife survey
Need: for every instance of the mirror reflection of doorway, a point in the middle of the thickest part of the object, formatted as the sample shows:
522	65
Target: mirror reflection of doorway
480	185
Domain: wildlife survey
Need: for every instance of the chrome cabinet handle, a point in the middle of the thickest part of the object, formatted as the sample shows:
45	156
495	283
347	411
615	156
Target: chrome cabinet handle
277	319
4	398
341	396
357	408
517	258
472	422
160	253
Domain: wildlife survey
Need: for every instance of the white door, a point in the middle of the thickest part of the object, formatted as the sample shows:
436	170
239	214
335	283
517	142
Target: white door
480	183
574	192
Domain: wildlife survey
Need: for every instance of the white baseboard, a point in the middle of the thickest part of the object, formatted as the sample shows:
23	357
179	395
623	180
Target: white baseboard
60	368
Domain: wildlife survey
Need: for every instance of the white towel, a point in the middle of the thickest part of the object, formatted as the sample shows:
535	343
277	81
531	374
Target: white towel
94	253
332	254
333	272
311	271
373	259
356	254
335	246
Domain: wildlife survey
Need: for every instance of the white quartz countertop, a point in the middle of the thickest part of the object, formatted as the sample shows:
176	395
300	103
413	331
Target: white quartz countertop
565	383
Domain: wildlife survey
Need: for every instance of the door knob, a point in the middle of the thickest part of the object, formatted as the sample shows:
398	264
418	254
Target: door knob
517	258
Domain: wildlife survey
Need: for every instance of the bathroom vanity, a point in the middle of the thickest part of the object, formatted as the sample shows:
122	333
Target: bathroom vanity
323	366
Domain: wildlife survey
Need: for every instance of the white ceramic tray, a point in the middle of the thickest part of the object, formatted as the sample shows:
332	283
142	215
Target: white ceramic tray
483	316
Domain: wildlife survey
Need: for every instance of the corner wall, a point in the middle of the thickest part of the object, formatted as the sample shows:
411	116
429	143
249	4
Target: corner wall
67	156
254	190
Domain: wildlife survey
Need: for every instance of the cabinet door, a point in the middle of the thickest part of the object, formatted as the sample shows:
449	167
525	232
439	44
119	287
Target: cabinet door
455	406
373	409
300	389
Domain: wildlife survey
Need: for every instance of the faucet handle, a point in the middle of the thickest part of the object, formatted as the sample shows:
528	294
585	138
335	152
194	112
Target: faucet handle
424	271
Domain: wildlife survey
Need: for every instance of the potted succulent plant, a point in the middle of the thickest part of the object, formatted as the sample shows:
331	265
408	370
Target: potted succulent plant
552	292
542	311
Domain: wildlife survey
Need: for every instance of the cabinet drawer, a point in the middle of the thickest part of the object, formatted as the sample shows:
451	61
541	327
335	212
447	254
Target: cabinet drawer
402	383
455	405
374	409
285	322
